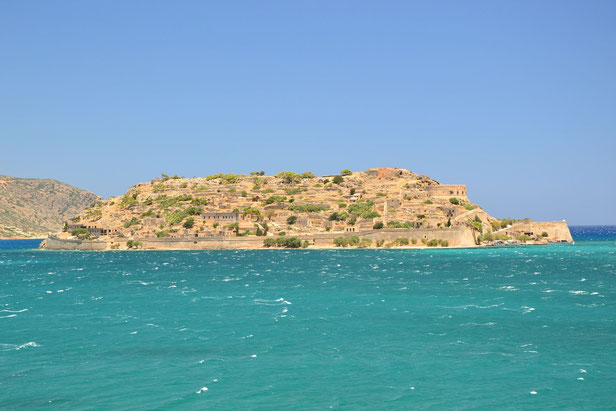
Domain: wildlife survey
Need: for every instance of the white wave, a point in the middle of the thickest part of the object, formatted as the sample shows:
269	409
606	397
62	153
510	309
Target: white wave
578	292
9	316
200	390
26	345
533	393
527	309
13	311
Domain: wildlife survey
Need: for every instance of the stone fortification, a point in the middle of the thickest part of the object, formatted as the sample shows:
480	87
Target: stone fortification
241	211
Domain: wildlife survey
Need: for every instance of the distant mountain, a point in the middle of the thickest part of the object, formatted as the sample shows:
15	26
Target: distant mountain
32	207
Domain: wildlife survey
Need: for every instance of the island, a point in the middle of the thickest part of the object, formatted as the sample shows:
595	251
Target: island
375	208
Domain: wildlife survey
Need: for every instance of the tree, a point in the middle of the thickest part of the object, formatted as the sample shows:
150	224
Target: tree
289	177
292	220
378	226
257	173
352	191
338	180
346	172
308	174
448	223
189	223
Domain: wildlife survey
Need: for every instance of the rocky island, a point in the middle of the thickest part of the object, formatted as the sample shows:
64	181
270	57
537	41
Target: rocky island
379	207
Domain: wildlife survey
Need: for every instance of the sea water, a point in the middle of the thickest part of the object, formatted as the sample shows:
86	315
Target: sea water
511	327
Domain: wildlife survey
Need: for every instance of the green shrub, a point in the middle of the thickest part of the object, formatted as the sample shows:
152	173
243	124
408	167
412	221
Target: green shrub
337	180
305	244
363	208
81	233
199	201
133	244
176	217
283	242
454	201
365	243
370	214
162	233
378	225
158	188
193	210
308	208
347	241
544	234
352	191
292	219
129	199
308	174
428	202
522	238
432	243
224	178
413	241
133	221
381	195
398	224
346	172
337	216
275	199
379	243
468	206
189	223
149	213
257	173
235	227
293	191
288	177
401	241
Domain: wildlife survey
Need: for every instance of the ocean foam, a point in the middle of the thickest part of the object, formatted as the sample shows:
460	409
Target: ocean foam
26	345
200	390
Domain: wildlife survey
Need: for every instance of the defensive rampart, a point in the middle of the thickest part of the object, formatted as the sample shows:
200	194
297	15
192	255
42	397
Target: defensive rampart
455	236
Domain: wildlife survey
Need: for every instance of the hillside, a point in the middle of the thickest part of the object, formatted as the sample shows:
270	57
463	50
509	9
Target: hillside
31	207
240	210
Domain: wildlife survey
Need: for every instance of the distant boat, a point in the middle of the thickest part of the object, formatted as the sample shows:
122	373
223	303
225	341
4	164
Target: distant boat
561	242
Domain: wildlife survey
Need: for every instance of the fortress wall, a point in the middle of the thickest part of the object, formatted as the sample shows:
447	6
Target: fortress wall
54	243
447	190
456	236
557	230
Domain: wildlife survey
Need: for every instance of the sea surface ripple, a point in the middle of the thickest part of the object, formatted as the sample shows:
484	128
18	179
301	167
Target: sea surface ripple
518	327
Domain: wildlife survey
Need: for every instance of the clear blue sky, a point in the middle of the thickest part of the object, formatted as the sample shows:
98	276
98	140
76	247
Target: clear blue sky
515	99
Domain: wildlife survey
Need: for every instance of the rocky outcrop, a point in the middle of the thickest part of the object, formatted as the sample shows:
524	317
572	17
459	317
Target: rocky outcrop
31	207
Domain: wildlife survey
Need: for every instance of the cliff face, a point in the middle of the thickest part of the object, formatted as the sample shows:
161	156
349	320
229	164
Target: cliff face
32	207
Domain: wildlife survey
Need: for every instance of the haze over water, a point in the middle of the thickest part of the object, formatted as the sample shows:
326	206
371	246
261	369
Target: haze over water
517	327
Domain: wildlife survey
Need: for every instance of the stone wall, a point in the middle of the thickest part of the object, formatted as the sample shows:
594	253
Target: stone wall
447	190
456	236
55	243
557	230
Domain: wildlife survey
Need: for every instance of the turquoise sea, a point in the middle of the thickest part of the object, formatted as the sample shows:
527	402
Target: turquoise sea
508	328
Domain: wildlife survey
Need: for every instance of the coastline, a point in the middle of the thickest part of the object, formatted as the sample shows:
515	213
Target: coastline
455	237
